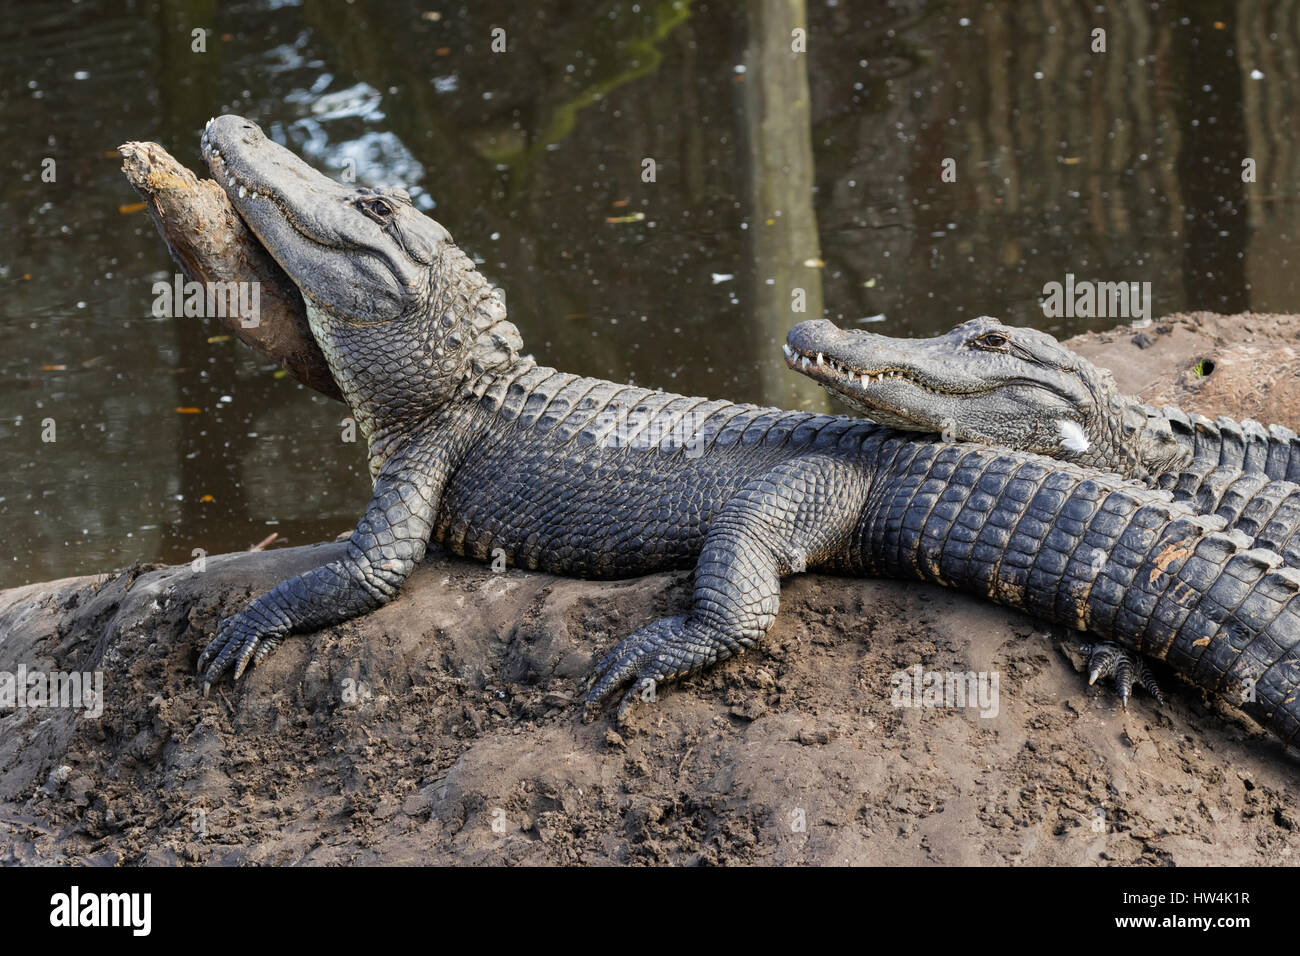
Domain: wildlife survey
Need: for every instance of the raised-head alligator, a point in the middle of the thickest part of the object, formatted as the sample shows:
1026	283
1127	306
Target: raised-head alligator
477	448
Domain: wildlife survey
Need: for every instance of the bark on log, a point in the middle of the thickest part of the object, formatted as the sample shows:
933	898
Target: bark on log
210	243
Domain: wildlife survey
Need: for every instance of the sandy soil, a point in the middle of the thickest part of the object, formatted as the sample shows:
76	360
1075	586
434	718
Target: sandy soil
442	728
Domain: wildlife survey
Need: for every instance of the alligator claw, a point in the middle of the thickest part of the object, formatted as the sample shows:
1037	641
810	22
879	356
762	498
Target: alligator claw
237	644
663	651
1126	667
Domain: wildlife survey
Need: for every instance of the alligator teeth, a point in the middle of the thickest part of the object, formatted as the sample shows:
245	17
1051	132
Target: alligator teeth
231	182
242	192
806	363
866	379
789	352
820	359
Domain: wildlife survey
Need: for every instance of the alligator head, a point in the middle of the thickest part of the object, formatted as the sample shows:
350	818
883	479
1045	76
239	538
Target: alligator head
403	317
988	382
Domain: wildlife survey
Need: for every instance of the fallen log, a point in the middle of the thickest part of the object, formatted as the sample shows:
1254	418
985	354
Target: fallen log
210	243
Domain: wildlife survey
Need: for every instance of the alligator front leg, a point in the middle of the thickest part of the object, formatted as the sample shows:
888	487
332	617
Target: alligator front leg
795	517
385	547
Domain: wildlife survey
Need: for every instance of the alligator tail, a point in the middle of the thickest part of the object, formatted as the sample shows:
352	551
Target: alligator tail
1266	511
1247	445
1121	562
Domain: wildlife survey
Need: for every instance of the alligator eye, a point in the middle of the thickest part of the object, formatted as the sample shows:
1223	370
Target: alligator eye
377	207
993	340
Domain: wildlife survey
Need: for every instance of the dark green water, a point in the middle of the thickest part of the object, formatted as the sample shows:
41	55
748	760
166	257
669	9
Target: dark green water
774	171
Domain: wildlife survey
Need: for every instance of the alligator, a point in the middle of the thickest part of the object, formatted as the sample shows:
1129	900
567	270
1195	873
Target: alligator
1019	388
1022	389
476	448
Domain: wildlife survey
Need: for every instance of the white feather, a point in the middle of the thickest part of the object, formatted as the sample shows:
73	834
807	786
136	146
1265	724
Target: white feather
1072	436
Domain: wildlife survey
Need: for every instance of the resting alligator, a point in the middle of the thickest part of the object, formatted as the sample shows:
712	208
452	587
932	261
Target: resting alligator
475	447
1019	388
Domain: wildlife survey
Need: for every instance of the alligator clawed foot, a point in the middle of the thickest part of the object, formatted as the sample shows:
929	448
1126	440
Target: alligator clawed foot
659	652
237	644
1126	667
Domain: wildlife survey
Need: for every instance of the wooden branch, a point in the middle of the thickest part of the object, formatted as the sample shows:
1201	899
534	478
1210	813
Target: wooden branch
210	243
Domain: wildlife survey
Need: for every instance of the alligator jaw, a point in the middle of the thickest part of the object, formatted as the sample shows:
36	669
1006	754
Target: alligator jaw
351	264
856	381
874	382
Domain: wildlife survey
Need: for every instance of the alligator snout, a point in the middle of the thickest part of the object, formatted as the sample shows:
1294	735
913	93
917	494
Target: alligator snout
812	336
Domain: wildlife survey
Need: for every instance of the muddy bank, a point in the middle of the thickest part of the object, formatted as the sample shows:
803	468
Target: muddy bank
442	728
1253	363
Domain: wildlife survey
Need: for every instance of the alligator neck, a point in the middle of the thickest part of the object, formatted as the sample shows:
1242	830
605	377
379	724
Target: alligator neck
399	376
1133	439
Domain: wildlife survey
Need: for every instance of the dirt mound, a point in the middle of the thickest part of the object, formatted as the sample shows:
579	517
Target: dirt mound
443	728
1244	366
